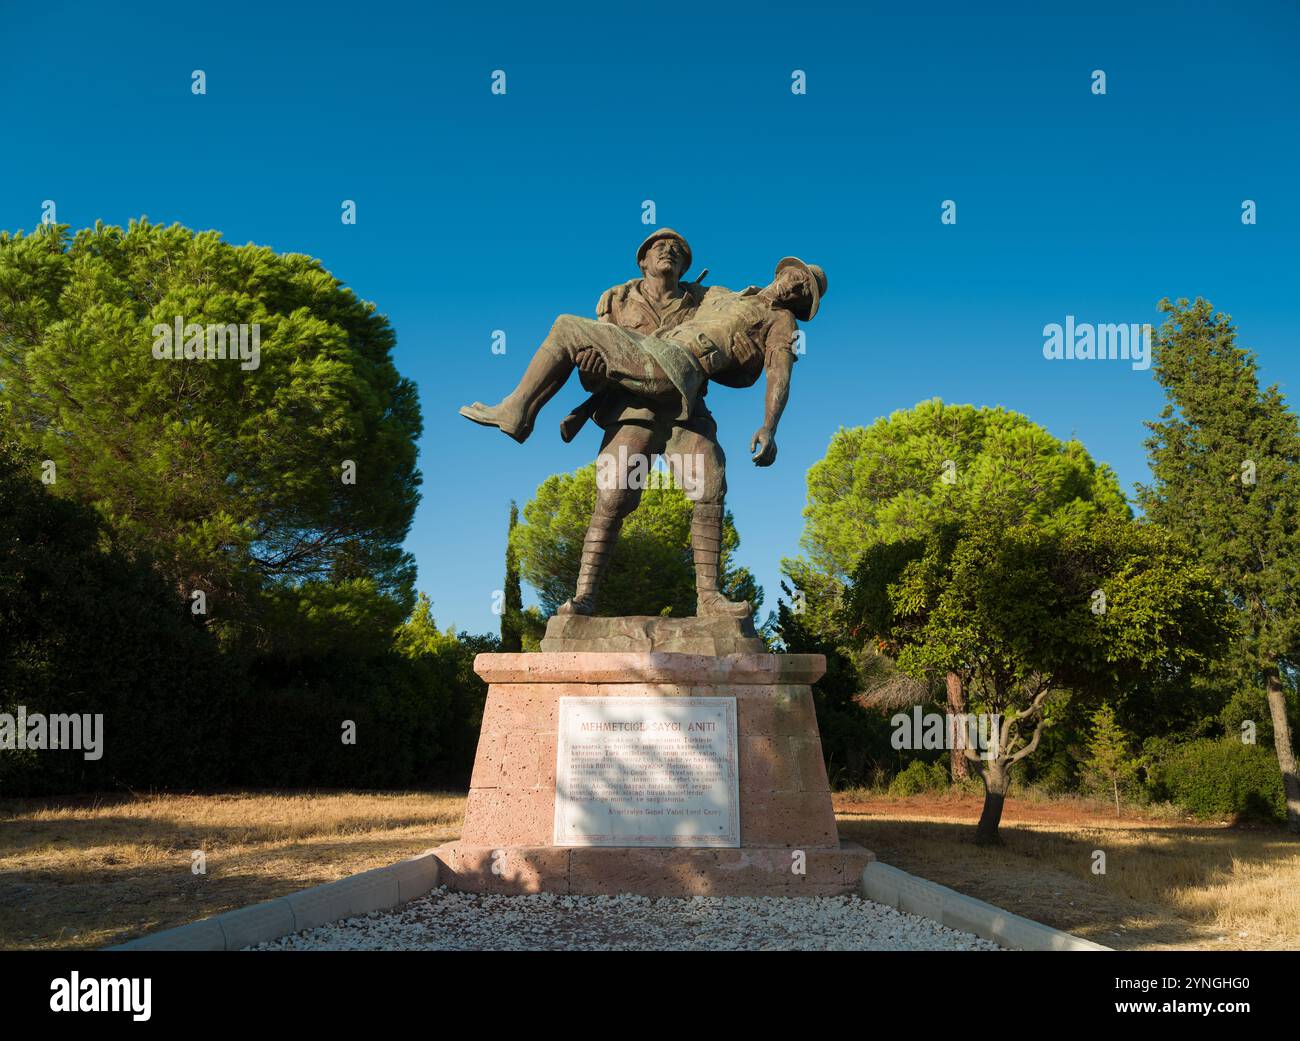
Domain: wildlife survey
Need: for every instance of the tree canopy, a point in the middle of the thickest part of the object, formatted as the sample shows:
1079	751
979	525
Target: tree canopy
907	475
231	477
904	475
1023	613
651	571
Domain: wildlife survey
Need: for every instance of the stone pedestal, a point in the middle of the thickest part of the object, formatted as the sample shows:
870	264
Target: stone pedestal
788	840
717	636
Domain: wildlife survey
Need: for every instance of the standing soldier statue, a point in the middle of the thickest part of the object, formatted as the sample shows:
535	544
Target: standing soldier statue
647	362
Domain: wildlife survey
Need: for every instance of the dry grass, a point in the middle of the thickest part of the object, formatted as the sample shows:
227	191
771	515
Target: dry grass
89	872
1167	885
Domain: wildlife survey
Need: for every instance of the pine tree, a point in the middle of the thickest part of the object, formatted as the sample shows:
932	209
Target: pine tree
919	468
1110	763
283	484
1225	456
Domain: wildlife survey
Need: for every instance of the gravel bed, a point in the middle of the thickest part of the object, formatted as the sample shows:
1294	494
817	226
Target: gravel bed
452	921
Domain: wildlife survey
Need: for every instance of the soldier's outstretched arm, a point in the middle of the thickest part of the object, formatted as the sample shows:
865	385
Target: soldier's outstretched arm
780	364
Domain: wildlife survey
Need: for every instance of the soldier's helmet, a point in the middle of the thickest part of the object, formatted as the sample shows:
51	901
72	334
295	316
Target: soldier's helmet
665	233
816	280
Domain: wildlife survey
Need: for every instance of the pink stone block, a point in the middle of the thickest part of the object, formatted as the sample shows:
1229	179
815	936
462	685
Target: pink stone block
650	667
511	870
509	817
546	760
521	765
638	690
807	751
754	716
595	871
517	706
793	712
792	820
487	760
768	764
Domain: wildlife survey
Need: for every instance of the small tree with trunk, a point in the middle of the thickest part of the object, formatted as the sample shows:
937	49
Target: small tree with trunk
1110	765
1024	615
933	464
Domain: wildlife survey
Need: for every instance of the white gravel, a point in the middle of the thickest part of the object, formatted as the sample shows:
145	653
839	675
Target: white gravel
451	921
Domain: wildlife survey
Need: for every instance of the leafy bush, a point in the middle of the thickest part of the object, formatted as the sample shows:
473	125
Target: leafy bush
87	629
919	778
1219	778
1058	776
416	705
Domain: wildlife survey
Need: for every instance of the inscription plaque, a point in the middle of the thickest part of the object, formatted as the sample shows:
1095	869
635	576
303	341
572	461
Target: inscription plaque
653	772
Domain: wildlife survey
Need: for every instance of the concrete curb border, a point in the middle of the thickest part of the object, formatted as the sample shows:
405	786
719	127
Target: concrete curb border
385	887
888	885
374	890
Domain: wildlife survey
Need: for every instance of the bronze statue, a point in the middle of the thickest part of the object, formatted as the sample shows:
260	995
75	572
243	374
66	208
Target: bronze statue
648	361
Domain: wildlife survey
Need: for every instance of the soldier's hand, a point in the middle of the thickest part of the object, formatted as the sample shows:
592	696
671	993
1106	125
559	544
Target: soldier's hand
590	360
763	446
744	348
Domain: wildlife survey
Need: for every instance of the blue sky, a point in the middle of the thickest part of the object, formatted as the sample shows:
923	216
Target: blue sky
479	212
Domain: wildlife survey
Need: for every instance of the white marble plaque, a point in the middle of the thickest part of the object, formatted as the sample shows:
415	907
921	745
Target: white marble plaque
647	772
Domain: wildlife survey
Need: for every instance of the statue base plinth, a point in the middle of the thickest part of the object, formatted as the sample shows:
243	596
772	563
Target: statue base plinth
715	635
789	845
604	871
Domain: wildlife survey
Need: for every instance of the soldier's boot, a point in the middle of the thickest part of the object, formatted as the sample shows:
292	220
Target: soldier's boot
517	412
602	533
706	543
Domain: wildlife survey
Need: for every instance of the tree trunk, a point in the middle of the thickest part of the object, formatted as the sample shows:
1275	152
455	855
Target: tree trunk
995	778
956	705
1282	745
1115	785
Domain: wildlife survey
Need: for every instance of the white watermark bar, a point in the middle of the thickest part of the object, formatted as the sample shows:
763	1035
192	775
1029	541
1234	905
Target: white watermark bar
1084	341
20	732
933	731
213	342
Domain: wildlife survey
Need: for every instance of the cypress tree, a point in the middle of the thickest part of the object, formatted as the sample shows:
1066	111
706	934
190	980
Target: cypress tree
1225	457
512	628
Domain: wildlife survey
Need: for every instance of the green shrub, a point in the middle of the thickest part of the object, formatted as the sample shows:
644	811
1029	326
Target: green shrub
1057	777
85	629
919	778
1217	777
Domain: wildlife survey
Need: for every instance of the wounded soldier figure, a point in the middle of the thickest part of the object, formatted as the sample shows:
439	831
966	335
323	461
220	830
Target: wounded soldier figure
657	383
